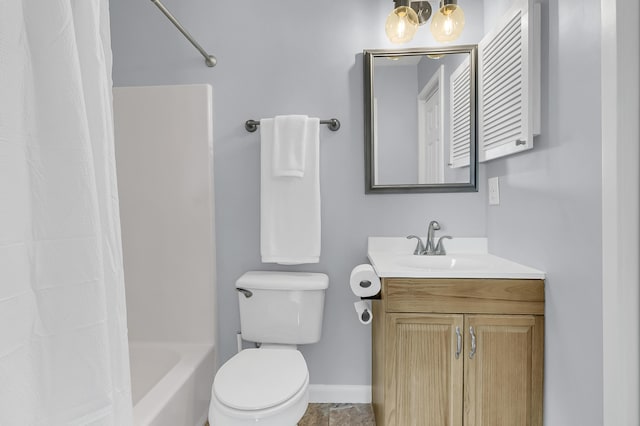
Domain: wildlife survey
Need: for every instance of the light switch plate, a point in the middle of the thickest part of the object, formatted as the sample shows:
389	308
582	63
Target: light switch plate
494	191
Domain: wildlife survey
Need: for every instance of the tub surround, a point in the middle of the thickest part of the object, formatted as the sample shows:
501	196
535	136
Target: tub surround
171	382
163	141
163	138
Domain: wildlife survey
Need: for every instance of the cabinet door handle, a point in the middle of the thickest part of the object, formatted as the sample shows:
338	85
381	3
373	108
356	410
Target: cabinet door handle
459	338
473	343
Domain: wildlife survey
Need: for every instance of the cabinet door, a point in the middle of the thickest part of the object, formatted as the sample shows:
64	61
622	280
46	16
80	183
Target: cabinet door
509	83
503	375
423	376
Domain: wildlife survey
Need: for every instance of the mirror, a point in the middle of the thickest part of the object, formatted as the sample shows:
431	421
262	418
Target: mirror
420	119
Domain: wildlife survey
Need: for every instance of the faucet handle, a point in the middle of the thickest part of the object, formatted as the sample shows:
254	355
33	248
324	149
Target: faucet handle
419	247
439	250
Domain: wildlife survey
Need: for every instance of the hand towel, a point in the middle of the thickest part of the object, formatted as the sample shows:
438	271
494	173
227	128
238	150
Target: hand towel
289	146
290	206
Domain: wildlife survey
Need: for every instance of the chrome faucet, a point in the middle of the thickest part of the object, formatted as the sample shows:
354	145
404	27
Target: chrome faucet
430	248
419	247
439	250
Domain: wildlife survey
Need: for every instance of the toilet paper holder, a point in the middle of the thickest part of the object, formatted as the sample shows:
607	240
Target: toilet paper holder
374	297
367	284
364	311
366	315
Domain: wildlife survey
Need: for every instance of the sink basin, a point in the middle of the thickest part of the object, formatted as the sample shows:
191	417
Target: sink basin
449	262
465	258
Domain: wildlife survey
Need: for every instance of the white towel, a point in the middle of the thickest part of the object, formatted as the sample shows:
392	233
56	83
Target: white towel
290	206
289	146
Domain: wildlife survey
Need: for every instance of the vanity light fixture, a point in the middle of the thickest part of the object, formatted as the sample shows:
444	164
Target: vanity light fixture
447	24
402	23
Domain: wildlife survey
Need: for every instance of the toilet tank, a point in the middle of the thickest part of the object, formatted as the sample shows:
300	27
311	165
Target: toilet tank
281	307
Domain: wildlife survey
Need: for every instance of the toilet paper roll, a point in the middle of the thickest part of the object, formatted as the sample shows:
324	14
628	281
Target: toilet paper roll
365	314
363	281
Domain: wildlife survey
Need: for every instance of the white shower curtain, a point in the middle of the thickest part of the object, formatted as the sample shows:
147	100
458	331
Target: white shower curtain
63	342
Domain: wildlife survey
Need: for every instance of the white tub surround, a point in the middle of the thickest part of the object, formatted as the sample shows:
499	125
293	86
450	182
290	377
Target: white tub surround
164	153
171	383
465	258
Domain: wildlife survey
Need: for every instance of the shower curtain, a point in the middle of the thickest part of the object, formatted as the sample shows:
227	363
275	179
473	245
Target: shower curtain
63	343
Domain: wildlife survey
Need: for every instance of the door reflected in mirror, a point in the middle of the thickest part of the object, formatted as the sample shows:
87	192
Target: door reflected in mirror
420	133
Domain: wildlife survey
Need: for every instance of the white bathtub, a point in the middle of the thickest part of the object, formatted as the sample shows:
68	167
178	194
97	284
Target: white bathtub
171	383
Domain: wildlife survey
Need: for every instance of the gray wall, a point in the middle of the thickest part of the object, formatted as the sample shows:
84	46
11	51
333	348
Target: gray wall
289	56
550	211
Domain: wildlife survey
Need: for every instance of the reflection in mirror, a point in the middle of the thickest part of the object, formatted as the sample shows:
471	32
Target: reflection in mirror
420	132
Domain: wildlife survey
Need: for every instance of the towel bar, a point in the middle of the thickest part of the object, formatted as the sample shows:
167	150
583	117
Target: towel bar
333	124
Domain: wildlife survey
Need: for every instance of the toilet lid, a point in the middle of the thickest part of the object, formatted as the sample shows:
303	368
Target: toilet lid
256	379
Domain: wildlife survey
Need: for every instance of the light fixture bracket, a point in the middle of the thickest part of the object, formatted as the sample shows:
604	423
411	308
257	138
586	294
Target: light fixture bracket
444	3
423	10
398	3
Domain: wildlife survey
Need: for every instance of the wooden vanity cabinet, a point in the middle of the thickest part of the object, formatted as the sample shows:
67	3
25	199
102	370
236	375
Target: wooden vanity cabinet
424	374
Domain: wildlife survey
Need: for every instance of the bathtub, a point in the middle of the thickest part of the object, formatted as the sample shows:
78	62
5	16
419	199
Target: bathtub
171	383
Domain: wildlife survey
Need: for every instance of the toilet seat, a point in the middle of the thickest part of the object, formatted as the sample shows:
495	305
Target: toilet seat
258	379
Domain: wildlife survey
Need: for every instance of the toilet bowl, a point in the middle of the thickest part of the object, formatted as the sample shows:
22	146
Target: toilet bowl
269	386
266	387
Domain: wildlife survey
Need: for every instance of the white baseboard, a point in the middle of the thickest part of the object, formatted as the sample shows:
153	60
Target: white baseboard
355	394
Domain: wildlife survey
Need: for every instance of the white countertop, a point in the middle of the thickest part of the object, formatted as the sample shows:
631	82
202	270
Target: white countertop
465	258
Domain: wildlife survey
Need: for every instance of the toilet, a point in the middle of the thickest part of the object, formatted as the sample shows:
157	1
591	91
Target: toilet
269	385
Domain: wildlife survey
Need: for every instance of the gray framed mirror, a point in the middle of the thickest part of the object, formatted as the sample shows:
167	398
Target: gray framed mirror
420	120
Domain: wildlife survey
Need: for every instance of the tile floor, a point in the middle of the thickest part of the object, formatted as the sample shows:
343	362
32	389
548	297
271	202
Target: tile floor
338	415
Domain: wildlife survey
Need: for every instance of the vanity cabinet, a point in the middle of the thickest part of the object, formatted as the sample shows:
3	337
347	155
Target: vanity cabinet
452	352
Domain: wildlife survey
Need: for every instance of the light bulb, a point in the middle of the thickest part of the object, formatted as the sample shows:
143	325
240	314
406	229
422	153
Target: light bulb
401	25
447	24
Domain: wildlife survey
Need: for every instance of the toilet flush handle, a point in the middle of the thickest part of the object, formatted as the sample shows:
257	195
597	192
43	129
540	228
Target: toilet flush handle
246	292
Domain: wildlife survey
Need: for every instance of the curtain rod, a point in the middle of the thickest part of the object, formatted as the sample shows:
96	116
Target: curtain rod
210	60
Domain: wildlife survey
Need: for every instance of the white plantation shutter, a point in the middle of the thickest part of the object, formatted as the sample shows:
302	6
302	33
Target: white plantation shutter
460	146
509	84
